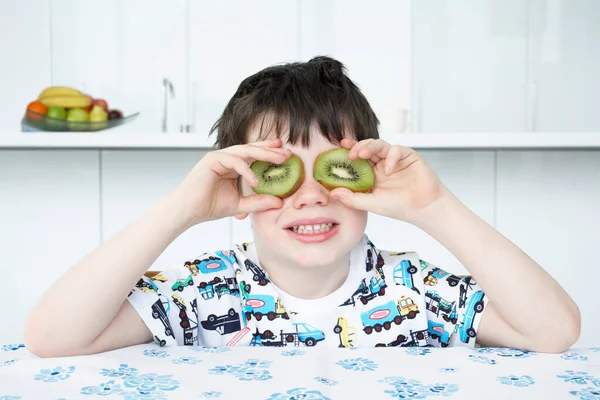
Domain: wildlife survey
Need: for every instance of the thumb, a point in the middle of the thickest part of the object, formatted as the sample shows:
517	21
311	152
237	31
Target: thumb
258	202
359	201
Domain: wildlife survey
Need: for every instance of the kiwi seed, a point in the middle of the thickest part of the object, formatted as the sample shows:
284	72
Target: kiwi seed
280	180
334	169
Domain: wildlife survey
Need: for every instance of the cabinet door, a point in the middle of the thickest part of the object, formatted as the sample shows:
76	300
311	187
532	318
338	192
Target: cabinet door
373	41
470	65
25	65
230	41
122	51
564	64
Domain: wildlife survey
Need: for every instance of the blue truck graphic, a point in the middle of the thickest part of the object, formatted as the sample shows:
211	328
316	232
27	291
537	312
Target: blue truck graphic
474	306
403	275
439	332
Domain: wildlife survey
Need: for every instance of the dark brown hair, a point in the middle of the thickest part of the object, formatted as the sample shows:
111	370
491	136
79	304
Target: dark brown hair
298	94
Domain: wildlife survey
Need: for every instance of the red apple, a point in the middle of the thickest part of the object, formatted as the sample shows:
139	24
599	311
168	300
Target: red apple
100	102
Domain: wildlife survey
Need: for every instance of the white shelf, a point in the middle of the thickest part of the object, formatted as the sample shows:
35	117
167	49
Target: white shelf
492	141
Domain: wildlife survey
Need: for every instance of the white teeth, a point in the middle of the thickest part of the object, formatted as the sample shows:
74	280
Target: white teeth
312	229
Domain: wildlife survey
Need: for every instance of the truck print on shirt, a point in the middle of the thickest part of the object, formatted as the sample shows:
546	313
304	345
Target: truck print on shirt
389	299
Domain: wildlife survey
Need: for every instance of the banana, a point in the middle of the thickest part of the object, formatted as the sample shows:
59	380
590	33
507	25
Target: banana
67	101
62	91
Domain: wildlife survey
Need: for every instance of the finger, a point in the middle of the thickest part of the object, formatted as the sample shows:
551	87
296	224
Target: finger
393	156
353	154
378	148
252	153
359	201
276	142
396	155
258	202
348	143
226	163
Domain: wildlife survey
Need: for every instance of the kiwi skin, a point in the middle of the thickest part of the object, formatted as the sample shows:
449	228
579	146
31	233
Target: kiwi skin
259	165
361	163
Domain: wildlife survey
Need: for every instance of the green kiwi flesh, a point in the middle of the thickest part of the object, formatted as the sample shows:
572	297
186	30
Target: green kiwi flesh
334	169
280	180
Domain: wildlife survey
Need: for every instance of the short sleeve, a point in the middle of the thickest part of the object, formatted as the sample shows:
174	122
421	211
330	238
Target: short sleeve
167	302
454	307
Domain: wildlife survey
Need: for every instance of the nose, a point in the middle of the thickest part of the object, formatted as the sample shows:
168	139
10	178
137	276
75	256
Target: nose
310	193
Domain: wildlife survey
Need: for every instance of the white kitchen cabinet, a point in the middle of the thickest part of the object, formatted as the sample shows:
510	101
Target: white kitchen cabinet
122	51
230	41
134	181
564	61
25	54
470	69
373	40
546	203
49	220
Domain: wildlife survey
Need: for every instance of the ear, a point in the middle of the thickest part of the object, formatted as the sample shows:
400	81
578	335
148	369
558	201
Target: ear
240	216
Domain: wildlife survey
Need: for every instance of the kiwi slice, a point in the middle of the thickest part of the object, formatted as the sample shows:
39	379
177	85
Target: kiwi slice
334	169
280	180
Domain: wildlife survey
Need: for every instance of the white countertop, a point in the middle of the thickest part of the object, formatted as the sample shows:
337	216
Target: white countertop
122	140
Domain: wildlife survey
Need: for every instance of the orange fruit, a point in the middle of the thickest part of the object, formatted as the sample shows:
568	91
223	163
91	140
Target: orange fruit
35	110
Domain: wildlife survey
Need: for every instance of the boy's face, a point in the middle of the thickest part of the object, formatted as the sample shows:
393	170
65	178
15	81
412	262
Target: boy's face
310	205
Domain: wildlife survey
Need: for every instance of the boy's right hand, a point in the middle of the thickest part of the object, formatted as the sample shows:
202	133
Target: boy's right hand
210	191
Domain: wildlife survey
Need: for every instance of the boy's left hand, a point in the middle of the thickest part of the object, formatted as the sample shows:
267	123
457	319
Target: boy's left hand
404	186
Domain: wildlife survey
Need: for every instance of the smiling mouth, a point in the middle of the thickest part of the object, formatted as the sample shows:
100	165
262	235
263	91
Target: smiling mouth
314	229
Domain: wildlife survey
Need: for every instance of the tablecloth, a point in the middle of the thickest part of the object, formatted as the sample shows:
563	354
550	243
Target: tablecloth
150	372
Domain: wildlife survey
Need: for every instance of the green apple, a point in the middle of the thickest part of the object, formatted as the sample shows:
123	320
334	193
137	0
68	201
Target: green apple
57	112
55	119
78	119
77	115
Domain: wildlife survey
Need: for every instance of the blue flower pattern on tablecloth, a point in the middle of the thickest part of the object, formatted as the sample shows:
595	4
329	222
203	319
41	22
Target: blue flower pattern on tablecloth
126	381
482	359
579	378
299	393
417	351
186	360
449	370
210	395
572	355
588	393
156	353
124	371
519	381
55	374
251	370
292	353
104	389
358	364
133	385
7	363
210	349
326	381
508	352
414	389
12	347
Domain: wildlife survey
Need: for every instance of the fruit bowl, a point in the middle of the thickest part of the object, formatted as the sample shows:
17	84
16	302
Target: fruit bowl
39	122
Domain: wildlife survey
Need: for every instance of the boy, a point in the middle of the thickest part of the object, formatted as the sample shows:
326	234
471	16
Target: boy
311	277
